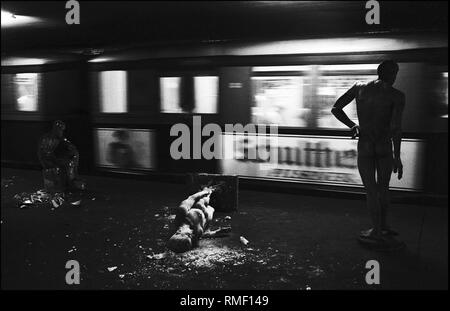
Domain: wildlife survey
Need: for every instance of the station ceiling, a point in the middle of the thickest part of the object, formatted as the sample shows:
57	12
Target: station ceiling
125	24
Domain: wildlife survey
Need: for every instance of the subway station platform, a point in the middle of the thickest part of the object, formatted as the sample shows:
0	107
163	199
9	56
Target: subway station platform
118	235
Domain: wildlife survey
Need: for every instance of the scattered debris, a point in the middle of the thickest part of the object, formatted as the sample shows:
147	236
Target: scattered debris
7	182
315	271
55	203
39	198
243	240
157	256
212	256
72	249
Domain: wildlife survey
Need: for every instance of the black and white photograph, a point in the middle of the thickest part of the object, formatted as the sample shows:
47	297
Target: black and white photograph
219	154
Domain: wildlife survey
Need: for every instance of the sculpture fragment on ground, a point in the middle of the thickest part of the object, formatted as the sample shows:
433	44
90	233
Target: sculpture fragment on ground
192	221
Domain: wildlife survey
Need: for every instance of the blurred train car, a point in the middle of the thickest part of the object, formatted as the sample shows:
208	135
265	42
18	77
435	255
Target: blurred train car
120	107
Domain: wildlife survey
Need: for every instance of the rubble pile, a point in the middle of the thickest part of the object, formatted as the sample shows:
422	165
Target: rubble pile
8	182
215	259
159	267
42	198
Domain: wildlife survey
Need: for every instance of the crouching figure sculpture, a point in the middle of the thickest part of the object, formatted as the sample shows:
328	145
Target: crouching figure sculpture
59	159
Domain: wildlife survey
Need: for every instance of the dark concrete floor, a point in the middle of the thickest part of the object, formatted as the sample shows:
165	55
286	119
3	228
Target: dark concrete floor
295	241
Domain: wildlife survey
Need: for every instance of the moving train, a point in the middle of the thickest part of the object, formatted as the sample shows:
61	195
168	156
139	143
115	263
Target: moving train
119	107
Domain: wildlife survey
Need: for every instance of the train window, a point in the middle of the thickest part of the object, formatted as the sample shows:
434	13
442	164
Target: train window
278	100
302	96
281	68
113	91
26	91
329	89
444	93
349	67
206	92
170	88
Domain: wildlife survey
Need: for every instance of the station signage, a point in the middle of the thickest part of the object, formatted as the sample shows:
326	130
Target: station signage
312	159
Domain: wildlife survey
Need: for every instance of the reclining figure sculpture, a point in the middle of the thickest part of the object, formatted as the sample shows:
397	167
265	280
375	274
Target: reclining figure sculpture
193	217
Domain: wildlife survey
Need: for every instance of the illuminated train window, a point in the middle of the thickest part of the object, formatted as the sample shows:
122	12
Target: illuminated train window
302	96
206	92
26	86
113	91
170	88
444	93
200	94
278	100
329	89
